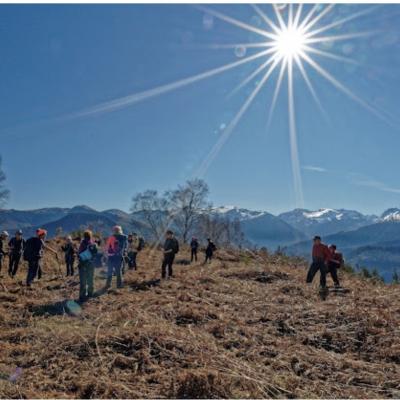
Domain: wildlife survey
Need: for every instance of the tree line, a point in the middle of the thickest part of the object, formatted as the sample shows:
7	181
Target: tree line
188	211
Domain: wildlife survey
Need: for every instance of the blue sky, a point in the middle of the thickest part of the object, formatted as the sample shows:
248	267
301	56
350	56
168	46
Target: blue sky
59	61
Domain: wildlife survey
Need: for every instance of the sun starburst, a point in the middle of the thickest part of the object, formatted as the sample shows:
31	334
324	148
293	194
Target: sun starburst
289	40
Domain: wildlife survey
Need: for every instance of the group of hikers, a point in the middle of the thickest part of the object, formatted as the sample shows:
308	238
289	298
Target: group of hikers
325	259
119	250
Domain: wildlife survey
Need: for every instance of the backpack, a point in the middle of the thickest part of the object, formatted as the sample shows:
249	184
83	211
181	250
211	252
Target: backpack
116	245
176	246
28	250
141	244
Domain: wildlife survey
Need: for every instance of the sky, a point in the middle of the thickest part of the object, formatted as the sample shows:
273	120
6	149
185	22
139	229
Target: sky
65	139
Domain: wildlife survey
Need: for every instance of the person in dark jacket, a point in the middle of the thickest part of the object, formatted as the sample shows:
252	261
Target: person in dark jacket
15	250
335	262
132	250
194	246
33	253
69	255
86	253
171	247
320	259
210	250
115	249
3	252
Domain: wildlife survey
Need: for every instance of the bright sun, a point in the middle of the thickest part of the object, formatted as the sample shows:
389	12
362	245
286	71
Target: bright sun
290	42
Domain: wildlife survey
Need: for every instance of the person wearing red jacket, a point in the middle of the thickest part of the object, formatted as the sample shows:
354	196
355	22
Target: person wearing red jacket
335	262
320	258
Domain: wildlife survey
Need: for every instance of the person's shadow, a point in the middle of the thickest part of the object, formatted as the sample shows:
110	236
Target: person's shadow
144	285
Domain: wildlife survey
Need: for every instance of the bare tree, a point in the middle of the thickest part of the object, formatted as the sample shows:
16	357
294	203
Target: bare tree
153	211
220	229
186	204
4	193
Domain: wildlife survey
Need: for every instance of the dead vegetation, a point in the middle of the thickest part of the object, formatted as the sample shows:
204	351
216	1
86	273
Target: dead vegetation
244	326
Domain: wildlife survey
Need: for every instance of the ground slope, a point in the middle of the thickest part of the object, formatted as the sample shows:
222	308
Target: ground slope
244	326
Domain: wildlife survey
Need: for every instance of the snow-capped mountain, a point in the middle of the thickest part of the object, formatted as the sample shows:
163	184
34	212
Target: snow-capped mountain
392	214
261	227
234	213
326	221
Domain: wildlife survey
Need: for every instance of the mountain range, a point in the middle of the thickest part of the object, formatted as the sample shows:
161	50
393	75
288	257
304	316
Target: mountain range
367	240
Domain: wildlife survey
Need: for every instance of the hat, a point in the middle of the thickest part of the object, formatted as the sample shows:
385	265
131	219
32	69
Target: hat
5	233
41	232
19	232
169	232
332	246
317	238
117	229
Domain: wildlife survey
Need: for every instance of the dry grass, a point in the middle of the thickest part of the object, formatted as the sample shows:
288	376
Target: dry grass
244	326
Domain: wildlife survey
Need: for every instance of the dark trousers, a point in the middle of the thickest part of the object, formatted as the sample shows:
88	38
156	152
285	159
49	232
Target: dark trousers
114	265
132	260
208	257
14	263
86	279
194	255
167	265
34	269
69	262
332	269
1	261
317	265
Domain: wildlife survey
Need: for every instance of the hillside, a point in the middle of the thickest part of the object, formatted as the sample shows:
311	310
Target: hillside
244	326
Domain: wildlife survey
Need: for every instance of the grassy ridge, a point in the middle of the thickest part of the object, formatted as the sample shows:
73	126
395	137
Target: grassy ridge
244	326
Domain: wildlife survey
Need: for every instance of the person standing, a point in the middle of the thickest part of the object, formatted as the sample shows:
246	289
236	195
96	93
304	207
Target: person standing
194	246
16	248
320	258
33	253
171	248
86	253
69	255
210	250
335	262
3	240
115	248
132	249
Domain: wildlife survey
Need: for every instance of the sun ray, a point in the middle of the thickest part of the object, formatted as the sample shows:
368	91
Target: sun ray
344	89
236	22
228	130
335	38
310	86
298	14
290	16
340	22
265	17
322	14
276	93
294	153
279	17
330	55
141	96
217	46
250	77
308	16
